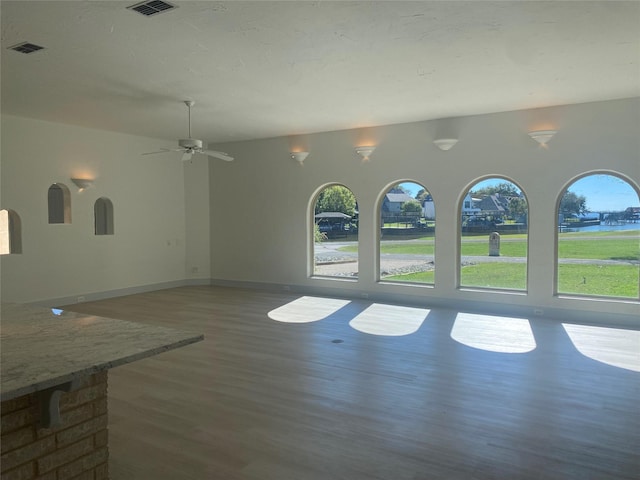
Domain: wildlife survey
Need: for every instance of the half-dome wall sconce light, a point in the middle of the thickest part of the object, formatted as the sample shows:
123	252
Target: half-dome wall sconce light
299	157
365	151
445	144
542	136
82	183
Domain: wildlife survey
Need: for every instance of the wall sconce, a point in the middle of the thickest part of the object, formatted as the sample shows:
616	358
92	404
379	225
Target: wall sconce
299	157
542	136
82	183
365	152
445	144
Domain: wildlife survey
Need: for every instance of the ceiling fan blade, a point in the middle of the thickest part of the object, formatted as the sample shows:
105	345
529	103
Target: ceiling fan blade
164	150
216	154
187	156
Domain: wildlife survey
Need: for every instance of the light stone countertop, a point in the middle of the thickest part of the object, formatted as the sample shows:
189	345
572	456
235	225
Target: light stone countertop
41	348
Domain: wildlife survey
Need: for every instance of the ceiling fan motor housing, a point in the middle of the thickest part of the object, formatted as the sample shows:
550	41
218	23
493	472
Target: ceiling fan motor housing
191	143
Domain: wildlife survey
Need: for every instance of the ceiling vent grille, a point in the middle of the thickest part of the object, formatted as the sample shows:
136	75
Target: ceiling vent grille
26	47
151	8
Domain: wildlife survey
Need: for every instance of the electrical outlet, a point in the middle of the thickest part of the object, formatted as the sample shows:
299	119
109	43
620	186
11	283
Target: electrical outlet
538	311
80	299
287	288
194	269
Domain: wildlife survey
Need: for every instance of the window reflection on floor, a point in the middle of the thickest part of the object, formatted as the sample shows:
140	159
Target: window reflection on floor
613	346
493	333
307	309
391	320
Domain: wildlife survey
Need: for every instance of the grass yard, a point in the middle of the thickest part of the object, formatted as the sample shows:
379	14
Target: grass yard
419	277
507	249
576	279
601	249
495	275
601	280
598	280
488	275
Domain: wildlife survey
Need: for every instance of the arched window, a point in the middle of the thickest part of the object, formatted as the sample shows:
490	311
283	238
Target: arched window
335	233
103	215
598	237
10	232
407	227
494	235
59	201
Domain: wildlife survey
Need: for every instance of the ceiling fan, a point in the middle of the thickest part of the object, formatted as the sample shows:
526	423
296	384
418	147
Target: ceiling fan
190	146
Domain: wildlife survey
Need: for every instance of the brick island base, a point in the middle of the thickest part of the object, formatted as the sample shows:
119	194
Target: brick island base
75	450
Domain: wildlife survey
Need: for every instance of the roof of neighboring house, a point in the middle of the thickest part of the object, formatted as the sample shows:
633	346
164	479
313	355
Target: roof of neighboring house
332	215
493	203
398	197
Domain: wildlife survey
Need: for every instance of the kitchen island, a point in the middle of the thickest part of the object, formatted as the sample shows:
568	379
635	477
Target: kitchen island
53	367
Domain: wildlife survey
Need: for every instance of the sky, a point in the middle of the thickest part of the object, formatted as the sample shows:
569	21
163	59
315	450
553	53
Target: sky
604	193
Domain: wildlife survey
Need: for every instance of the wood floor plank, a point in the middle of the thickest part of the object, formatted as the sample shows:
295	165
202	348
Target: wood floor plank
263	398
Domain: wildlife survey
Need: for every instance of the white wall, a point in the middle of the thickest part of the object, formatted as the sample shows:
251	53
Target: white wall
197	219
66	261
246	222
260	204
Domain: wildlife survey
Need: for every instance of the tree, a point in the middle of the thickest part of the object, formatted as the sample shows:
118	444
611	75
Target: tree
422	195
410	207
573	204
318	236
506	189
518	207
398	188
336	199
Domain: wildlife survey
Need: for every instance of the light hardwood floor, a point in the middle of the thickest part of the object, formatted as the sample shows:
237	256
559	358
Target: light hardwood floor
284	399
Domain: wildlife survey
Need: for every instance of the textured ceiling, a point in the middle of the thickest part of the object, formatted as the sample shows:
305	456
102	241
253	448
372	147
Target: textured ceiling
263	69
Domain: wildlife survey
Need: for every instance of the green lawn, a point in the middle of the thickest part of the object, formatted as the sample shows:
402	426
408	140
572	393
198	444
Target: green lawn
601	249
495	275
597	280
419	277
570	245
602	280
578	279
489	275
507	249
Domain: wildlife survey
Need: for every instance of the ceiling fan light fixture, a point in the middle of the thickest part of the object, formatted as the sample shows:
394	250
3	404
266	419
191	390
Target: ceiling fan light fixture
190	143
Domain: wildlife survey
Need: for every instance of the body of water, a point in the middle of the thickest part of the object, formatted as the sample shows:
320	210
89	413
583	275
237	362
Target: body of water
604	228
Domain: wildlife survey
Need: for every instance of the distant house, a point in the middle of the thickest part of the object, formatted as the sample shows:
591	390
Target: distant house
428	208
495	205
392	203
469	206
632	214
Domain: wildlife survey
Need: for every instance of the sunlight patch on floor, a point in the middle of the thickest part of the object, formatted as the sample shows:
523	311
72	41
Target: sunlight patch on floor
493	333
613	346
389	320
307	309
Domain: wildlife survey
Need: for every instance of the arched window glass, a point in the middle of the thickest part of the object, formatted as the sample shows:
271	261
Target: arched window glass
103	215
407	228
10	232
598	247
335	233
59	202
494	236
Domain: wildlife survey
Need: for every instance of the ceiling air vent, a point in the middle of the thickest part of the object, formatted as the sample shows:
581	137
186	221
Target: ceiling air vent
151	8
26	47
